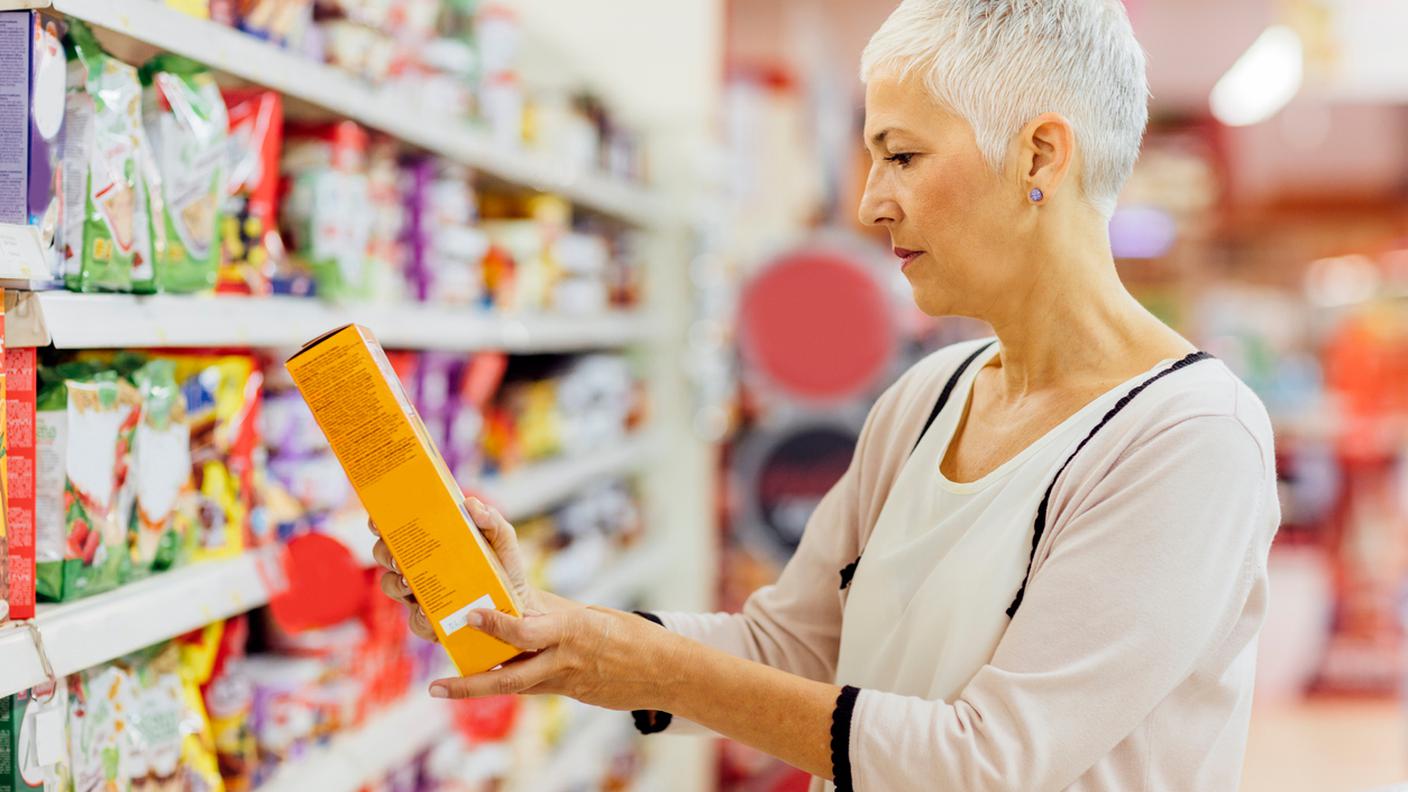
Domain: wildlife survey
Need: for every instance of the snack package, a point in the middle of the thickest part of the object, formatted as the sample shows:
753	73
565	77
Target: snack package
222	406
229	700
405	486
84	422
106	233
20	381
34	740
161	452
103	709
187	128
34	121
4	485
249	233
162	714
200	770
327	211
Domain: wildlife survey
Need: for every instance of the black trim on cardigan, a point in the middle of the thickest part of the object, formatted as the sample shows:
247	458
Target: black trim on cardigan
1040	527
848	573
841	738
651	721
948	391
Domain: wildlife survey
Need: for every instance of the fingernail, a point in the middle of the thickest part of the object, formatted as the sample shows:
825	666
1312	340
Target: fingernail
475	503
405	585
394	567
475	619
439	691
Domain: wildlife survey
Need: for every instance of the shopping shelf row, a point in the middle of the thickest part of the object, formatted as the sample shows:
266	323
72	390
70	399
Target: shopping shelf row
397	735
246	57
123	321
78	635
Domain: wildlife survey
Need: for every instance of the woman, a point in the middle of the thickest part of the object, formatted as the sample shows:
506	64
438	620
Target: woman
1046	566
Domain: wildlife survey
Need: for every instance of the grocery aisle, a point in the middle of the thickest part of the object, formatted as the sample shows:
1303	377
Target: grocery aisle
208	186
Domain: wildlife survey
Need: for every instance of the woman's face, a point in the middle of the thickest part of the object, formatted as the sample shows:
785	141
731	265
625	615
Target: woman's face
955	225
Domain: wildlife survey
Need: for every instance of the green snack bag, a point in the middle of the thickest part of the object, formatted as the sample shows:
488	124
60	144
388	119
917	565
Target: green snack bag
187	129
106	233
34	740
161	453
84	423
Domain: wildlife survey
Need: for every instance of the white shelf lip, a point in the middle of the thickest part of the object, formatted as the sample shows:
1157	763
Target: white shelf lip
123	321
581	757
629	574
87	632
387	741
537	488
233	52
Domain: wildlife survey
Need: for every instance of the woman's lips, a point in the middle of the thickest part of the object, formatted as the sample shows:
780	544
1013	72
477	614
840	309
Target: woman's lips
907	256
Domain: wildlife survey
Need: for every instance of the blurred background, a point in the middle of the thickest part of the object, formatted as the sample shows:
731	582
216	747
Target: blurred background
614	248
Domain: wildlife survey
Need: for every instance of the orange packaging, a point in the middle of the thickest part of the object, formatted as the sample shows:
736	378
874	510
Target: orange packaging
405	486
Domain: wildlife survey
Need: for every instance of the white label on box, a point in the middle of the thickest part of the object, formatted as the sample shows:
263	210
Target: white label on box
456	621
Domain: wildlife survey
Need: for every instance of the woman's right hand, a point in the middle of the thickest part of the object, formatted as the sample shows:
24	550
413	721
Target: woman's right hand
501	537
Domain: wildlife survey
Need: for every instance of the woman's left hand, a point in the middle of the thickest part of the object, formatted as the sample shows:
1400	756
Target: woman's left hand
595	655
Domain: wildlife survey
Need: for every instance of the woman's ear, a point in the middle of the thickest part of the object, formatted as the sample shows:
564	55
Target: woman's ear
1047	150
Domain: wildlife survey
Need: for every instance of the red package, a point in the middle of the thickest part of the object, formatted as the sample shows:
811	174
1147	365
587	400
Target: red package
20	391
251	212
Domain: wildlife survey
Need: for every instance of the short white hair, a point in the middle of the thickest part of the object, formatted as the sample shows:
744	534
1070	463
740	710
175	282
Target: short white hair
1001	63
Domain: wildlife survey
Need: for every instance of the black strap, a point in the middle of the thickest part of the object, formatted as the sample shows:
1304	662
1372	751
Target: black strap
948	391
1040	527
849	572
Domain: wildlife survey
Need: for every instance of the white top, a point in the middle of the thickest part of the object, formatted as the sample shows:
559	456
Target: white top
928	603
1130	665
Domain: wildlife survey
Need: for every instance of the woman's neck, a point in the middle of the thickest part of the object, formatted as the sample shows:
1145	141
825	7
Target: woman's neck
1076	324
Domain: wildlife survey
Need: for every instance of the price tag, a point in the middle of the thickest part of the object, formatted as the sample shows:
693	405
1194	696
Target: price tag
49	732
21	255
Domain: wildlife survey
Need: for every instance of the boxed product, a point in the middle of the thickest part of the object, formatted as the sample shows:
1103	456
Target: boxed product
84	424
249	233
20	382
187	127
105	167
32	99
161	454
34	751
405	486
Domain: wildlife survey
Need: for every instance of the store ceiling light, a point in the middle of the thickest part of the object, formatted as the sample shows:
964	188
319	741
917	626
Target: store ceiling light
1262	81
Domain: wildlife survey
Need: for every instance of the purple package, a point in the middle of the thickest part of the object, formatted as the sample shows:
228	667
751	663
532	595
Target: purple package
31	117
419	174
437	378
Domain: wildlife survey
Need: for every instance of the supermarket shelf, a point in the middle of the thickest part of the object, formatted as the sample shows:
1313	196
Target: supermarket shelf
85	633
117	321
539	487
580	759
246	57
627	576
389	740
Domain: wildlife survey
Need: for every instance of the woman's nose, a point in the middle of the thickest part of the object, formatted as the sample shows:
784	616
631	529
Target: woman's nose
877	207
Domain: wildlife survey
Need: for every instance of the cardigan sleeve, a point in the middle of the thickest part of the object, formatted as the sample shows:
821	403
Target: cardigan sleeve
1149	574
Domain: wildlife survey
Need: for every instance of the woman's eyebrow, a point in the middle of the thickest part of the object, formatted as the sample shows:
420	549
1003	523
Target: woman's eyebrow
878	139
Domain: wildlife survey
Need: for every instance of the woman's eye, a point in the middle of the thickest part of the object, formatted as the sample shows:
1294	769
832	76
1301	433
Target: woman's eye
900	159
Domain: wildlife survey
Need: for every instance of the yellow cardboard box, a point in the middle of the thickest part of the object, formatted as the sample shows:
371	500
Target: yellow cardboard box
405	486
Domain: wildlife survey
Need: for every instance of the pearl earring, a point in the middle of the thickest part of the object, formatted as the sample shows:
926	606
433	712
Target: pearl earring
1036	195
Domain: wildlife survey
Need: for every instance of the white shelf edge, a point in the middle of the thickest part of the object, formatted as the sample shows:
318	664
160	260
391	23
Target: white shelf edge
539	487
238	54
85	633
580	758
628	574
388	740
121	321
